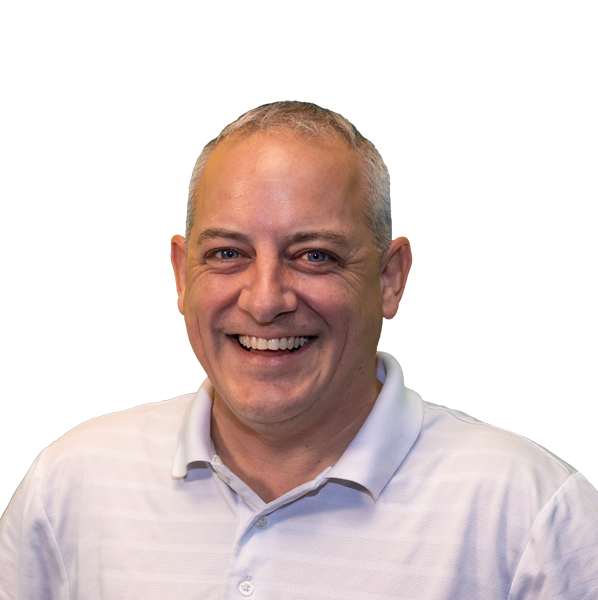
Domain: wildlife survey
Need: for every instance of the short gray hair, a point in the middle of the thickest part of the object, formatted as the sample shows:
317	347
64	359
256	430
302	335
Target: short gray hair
310	119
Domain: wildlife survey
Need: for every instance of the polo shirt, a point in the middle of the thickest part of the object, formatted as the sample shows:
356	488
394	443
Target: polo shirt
425	503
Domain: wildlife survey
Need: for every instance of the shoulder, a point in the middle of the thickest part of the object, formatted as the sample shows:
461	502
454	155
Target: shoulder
464	434
157	416
455	449
140	438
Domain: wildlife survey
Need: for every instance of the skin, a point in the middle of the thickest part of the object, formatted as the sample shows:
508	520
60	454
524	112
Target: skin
280	248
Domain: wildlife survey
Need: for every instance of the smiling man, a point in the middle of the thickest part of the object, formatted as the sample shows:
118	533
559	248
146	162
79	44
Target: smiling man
302	468
283	290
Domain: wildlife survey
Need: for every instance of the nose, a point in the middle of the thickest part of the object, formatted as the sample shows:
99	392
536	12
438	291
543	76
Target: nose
267	292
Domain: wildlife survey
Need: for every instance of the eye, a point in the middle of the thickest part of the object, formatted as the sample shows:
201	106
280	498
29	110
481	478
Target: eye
316	256
228	253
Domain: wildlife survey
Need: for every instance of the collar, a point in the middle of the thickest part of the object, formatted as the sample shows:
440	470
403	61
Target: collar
370	460
387	435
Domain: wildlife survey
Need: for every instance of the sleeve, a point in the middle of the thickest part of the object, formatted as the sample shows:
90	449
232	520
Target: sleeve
561	557
31	566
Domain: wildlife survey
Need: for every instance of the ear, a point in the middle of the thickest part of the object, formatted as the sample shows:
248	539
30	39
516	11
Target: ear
178	257
394	268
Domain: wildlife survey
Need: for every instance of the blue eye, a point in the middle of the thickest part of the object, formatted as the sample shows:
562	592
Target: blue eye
316	256
228	254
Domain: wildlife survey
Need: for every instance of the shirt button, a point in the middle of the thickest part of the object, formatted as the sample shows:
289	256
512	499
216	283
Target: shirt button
246	588
262	522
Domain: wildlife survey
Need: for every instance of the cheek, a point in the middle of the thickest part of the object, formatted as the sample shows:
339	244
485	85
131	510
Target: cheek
194	312
203	312
210	295
324	298
367	313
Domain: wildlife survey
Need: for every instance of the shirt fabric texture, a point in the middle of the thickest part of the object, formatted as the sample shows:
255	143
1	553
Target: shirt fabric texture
425	503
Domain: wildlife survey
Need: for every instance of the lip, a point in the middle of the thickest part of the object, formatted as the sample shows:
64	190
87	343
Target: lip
279	355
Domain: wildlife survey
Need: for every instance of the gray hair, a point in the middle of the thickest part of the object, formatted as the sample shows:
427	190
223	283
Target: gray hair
310	119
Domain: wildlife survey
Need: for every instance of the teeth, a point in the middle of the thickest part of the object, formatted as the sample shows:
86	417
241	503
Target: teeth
285	343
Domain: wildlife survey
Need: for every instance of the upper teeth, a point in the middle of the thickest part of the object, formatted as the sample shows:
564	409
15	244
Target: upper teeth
285	343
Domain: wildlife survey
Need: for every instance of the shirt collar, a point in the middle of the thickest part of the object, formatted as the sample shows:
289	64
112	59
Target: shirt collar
194	441
387	435
370	460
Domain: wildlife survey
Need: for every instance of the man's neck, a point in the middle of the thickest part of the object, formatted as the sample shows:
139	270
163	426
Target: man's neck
276	460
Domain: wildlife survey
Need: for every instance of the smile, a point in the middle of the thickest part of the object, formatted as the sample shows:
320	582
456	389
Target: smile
298	345
274	344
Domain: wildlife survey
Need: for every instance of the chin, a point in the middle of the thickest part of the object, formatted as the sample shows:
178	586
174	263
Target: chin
267	406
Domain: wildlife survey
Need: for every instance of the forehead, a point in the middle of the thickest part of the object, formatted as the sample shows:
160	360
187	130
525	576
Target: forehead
281	155
284	177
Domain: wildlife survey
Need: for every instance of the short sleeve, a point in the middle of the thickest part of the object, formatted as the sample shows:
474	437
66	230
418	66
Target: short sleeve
561	557
30	559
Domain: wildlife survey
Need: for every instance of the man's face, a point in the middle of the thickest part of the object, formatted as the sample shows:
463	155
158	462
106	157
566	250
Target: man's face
280	254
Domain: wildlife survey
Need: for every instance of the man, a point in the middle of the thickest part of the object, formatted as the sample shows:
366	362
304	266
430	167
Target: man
280	247
302	468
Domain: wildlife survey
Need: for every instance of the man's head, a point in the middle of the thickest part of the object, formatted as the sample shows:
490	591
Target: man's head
281	281
311	120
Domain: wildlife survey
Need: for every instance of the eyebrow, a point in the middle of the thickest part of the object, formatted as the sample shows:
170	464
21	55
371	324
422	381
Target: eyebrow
298	238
